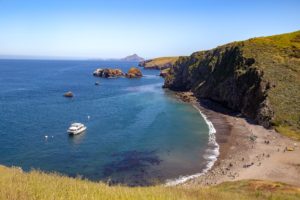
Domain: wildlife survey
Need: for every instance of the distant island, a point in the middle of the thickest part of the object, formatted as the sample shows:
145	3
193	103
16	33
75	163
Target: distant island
133	58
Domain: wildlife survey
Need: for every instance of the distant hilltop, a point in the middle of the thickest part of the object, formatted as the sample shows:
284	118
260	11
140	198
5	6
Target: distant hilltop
133	58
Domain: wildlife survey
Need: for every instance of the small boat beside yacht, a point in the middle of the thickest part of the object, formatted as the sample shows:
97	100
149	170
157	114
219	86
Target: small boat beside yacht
76	128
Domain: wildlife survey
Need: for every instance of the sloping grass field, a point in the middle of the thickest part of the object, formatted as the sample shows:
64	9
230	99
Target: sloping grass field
161	63
18	185
279	58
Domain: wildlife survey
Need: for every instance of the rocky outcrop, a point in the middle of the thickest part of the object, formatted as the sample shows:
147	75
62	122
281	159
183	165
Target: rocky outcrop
163	73
69	94
134	72
226	76
108	73
247	77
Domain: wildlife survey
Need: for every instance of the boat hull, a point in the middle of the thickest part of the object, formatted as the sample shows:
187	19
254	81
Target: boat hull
77	131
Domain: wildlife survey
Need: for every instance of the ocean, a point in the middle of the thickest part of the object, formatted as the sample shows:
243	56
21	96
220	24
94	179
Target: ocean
137	132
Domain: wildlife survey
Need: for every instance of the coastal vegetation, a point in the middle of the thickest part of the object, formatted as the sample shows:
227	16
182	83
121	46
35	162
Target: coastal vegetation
159	63
16	184
259	77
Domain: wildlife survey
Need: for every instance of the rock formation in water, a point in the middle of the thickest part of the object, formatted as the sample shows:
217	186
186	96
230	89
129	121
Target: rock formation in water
69	94
134	72
108	73
259	77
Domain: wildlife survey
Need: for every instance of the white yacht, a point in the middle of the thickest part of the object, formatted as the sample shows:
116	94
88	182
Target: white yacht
76	128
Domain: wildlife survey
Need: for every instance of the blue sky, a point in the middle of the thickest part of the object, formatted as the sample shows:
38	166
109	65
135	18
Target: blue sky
150	28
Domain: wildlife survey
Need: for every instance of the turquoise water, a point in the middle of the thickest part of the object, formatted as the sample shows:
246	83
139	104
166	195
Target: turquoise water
137	133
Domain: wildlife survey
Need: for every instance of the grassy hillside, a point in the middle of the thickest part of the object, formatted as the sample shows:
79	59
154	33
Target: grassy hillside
259	77
159	63
279	58
15	184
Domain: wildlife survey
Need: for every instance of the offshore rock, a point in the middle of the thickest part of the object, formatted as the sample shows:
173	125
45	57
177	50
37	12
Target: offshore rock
134	72
108	73
69	94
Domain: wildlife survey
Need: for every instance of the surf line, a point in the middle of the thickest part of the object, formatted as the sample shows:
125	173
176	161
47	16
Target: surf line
211	158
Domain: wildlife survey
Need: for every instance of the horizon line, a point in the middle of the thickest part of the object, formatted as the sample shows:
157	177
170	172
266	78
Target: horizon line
32	57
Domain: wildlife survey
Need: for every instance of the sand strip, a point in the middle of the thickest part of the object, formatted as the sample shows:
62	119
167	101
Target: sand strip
247	150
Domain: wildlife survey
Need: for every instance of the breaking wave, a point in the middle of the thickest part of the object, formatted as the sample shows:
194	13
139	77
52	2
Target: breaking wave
211	154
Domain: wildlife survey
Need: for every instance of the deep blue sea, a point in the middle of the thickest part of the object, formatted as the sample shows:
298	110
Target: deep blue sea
137	132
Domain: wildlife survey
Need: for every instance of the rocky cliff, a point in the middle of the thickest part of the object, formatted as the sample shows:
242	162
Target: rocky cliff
259	77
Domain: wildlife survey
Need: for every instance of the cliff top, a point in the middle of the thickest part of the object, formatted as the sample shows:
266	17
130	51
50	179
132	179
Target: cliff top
272	60
159	63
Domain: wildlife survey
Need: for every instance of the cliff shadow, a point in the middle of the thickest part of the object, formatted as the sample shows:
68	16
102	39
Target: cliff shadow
221	108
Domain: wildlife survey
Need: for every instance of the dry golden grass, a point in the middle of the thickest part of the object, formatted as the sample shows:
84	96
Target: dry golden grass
279	58
15	184
160	63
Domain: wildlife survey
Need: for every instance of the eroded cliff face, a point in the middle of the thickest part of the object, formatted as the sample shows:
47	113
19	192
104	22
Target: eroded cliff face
259	77
227	76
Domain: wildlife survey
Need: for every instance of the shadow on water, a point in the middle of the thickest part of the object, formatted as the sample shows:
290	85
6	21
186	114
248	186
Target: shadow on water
132	168
76	139
222	108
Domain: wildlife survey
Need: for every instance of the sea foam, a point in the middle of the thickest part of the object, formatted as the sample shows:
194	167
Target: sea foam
211	154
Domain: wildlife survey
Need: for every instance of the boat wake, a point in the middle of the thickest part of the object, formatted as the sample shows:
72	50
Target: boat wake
210	156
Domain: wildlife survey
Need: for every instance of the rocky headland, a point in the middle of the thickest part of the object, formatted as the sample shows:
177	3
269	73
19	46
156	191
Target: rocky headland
260	78
250	91
158	63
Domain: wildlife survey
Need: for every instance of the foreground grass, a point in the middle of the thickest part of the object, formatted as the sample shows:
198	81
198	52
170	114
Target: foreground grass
15	184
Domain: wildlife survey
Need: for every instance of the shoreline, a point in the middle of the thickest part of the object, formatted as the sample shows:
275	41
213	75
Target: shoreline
211	158
247	150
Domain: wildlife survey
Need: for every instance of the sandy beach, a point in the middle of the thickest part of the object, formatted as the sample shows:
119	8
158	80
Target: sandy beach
247	150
